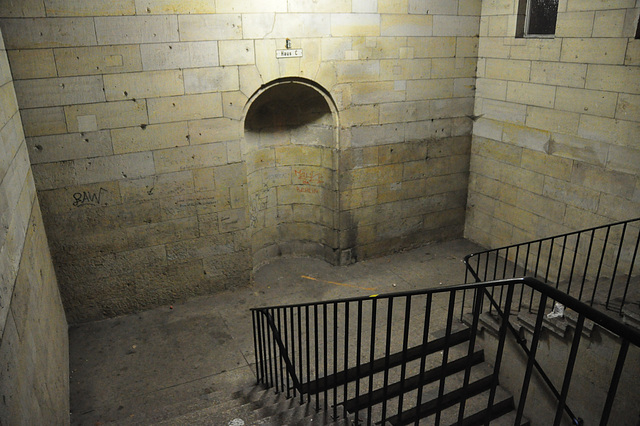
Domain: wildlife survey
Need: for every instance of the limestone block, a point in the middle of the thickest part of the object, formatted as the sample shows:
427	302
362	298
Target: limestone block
43	121
526	137
182	108
531	94
603	180
469	7
393	6
552	120
61	201
489	129
8	103
214	130
633	53
333	6
499	26
298	155
165	56
89	8
360	115
26	64
612	206
45	32
151	137
115	167
377	135
374	176
491	89
467	47
498	7
210	27
211	79
251	6
108	115
461	107
147	84
399	112
70	146
559	74
406	25
624	159
571	194
576	148
465	26
405	69
354	71
453	67
22	8
350	25
375	92
538	49
504	69
98	60
236	52
364	6
233	104
576	5
586	101
137	29
594	50
200	248
250	80
628	107
54	175
609	23
494	47
575	24
178	7
614	78
232	220
220	177
190	157
283	25
547	164
59	91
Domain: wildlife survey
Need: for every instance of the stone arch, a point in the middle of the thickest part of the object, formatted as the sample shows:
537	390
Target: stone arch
290	147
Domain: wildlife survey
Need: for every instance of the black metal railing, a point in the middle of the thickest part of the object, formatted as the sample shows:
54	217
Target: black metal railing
599	265
401	357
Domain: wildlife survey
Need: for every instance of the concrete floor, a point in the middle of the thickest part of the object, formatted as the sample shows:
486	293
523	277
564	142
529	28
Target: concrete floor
124	367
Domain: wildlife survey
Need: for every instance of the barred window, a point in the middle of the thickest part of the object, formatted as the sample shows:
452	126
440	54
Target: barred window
537	18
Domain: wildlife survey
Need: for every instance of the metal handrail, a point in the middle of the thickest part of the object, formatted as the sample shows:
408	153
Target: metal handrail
584	311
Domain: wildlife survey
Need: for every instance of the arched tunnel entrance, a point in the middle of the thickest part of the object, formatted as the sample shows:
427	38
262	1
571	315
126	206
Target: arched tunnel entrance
290	149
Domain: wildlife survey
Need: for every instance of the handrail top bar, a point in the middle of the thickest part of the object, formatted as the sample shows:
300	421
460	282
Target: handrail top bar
539	240
623	330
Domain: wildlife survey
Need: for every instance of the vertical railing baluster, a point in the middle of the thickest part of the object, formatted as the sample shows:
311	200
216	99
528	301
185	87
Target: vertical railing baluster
532	356
374	312
405	347
477	306
569	370
275	354
358	355
317	342
335	360
546	274
325	342
504	325
615	266
573	263
423	358
445	356
345	396
387	353
615	380
293	344
586	264
271	358
561	264
300	350
604	250
307	327
280	358
631	266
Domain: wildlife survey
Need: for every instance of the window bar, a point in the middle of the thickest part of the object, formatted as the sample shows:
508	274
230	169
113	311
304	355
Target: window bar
500	350
405	346
316	341
358	354
445	355
633	260
615	267
615	380
586	264
604	249
345	396
569	370
477	306
374	311
423	358
387	353
532	357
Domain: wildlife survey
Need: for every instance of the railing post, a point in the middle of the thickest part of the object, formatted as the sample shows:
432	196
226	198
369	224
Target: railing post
569	370
615	380
425	340
387	352
478	295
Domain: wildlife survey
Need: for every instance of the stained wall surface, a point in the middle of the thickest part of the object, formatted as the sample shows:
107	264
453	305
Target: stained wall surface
34	360
133	114
556	146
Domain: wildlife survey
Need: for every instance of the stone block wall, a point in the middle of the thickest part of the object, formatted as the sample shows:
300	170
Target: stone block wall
556	143
134	113
34	360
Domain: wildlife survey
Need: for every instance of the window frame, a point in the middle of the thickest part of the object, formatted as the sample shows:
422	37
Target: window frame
524	19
